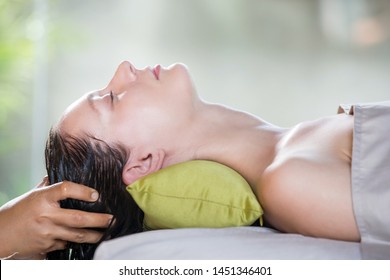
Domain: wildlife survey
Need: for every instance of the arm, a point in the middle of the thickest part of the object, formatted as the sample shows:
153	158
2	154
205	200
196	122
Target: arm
33	224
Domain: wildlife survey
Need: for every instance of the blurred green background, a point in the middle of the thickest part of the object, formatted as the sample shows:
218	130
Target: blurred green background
284	60
16	62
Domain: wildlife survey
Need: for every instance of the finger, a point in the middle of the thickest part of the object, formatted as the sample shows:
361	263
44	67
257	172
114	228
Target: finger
81	219
66	189
86	236
79	235
57	245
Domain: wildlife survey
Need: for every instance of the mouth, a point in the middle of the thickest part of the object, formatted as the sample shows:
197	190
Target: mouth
156	71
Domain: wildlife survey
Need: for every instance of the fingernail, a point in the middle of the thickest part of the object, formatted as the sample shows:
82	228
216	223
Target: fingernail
94	195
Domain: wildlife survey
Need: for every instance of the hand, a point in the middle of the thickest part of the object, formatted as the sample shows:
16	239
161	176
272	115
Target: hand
33	224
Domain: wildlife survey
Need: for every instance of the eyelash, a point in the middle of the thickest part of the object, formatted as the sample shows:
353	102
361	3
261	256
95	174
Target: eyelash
112	96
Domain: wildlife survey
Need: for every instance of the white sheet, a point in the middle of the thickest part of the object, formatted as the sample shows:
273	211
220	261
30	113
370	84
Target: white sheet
224	244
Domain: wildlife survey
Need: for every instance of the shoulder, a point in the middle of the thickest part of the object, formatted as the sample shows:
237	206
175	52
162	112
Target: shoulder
284	192
292	189
278	182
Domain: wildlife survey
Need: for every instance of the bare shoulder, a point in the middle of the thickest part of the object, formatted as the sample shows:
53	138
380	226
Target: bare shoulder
306	197
281	192
307	189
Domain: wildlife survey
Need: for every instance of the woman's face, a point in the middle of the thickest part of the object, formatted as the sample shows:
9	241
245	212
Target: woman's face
138	106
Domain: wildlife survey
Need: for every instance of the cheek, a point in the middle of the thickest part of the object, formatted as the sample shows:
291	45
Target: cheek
144	106
142	126
128	127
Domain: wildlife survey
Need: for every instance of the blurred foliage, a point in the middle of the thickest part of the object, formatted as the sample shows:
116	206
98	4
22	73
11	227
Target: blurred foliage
15	57
16	60
19	30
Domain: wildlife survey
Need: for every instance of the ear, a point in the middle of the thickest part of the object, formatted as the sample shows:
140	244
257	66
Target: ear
141	164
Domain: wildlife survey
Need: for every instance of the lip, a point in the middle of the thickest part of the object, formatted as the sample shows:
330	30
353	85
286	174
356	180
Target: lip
156	71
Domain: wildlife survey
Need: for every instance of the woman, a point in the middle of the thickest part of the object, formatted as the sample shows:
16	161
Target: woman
151	118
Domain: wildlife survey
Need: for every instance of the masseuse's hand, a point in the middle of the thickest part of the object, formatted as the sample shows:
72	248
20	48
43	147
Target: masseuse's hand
33	224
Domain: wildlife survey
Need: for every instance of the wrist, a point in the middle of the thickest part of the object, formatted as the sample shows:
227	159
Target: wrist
6	249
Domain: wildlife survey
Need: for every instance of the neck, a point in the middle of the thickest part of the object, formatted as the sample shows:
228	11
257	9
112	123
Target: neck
237	139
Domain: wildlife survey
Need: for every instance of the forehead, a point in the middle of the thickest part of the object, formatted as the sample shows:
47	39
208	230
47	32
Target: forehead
77	103
80	117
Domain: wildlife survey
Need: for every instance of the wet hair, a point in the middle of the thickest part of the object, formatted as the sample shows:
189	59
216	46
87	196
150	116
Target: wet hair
94	163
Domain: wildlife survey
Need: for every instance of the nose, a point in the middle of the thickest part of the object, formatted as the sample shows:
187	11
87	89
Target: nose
124	74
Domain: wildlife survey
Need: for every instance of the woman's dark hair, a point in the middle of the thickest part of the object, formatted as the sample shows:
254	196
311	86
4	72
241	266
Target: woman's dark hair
94	163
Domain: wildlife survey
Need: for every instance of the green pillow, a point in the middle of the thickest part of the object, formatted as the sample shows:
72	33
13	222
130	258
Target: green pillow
195	193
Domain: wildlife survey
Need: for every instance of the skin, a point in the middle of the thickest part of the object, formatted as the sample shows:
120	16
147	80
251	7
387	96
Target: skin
34	224
301	175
